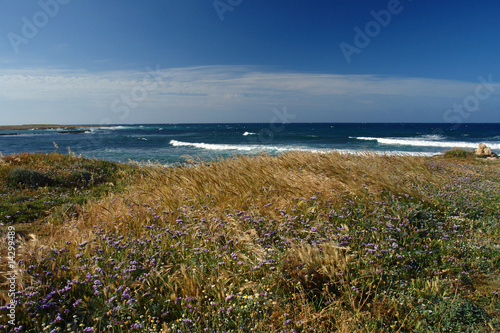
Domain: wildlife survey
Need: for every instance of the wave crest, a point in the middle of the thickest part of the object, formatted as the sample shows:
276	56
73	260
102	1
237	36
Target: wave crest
418	142
214	146
257	148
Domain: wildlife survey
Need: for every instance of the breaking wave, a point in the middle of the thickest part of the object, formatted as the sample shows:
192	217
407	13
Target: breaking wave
257	148
422	142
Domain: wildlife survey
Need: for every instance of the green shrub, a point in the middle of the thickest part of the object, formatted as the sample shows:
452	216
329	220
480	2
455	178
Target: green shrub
455	315
79	178
458	153
102	171
28	178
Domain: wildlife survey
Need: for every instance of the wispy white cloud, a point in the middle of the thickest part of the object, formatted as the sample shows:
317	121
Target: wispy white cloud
224	93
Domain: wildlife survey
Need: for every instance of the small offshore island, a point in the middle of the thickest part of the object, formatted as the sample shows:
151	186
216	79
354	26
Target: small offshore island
37	127
299	242
76	129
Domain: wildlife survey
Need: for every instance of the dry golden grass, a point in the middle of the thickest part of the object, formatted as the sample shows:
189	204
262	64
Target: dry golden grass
249	181
208	196
256	184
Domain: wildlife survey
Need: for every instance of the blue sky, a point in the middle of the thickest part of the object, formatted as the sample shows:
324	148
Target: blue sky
163	61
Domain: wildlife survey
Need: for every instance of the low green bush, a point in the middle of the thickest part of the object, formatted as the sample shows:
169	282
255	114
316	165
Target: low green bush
28	178
455	315
458	153
33	186
79	178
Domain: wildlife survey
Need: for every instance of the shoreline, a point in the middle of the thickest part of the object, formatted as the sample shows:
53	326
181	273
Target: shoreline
70	129
34	127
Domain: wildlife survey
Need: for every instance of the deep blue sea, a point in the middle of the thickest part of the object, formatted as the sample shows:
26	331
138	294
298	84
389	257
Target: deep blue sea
172	143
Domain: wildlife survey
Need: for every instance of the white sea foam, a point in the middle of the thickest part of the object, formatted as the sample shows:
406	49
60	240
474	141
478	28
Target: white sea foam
109	128
256	148
213	146
115	127
419	142
248	133
55	129
433	137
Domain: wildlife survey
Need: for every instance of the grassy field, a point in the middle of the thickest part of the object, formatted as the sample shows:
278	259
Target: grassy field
299	242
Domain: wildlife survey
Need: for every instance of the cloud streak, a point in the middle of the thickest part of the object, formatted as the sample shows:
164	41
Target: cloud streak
228	94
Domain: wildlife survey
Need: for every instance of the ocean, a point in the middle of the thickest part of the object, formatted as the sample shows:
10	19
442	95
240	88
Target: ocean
175	143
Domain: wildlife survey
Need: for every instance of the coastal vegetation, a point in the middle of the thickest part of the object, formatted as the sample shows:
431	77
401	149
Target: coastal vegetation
299	242
34	186
459	153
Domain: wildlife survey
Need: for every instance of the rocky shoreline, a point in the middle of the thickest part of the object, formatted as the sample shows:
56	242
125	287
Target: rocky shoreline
41	127
71	129
484	151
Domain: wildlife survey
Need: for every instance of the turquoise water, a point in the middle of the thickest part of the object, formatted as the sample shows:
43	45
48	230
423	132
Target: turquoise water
173	143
